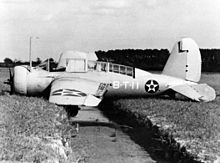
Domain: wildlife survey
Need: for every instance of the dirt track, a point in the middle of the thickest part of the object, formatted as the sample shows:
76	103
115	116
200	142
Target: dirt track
96	144
114	144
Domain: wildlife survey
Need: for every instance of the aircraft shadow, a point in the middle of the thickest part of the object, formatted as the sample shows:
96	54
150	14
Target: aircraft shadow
148	137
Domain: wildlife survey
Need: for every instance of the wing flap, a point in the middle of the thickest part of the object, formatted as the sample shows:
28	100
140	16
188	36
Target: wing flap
72	91
198	92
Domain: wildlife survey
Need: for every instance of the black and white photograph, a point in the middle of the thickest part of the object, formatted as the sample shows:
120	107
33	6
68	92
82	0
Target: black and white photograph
109	81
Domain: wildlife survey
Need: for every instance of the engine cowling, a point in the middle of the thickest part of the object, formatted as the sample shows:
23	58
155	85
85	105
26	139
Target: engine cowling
20	79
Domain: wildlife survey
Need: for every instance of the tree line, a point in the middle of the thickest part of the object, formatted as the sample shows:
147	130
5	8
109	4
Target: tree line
146	59
154	59
8	62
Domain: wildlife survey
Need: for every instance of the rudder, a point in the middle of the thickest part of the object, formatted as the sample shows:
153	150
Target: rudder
184	61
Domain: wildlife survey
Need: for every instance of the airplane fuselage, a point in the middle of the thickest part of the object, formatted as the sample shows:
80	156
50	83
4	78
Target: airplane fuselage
146	84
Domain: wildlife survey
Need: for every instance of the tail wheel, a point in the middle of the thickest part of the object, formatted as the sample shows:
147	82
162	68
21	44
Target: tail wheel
71	110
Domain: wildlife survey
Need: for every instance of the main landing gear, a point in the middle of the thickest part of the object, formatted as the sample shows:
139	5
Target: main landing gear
71	110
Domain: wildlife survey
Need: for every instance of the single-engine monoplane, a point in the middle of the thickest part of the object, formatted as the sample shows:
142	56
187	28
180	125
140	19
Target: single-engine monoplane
79	81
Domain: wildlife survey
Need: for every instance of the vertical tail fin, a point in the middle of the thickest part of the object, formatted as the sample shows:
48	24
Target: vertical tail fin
184	61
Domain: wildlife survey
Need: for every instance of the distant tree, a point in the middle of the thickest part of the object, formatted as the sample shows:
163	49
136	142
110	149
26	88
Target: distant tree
17	62
38	60
8	61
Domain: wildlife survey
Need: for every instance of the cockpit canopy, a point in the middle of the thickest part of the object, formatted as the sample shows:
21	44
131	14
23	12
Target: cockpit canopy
73	61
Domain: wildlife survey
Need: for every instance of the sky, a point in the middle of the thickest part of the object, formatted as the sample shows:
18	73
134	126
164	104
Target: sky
91	25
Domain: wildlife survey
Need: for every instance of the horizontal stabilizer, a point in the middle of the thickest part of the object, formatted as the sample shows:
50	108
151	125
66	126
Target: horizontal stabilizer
207	92
199	92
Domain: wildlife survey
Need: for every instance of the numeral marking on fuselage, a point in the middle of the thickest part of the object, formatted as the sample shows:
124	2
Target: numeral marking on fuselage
125	84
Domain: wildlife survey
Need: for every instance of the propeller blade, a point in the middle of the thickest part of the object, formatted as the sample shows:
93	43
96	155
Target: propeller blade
11	81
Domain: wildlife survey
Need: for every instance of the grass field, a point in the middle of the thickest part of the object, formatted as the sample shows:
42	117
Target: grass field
194	125
31	129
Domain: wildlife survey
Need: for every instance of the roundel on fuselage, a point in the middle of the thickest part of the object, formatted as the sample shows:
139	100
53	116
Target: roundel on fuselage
151	86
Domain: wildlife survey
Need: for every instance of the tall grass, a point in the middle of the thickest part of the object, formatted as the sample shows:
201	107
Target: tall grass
31	129
25	124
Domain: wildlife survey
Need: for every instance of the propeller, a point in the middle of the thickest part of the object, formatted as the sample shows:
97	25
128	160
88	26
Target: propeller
10	81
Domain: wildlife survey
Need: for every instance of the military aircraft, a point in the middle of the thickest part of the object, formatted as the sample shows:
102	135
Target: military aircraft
80	81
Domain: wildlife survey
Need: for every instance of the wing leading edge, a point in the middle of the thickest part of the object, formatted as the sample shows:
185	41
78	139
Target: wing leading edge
74	91
198	92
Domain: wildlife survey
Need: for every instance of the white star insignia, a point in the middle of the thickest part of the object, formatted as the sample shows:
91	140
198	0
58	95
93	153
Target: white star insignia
152	86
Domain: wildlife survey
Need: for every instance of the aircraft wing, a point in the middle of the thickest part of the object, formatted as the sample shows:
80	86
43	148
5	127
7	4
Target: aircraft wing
198	92
75	91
